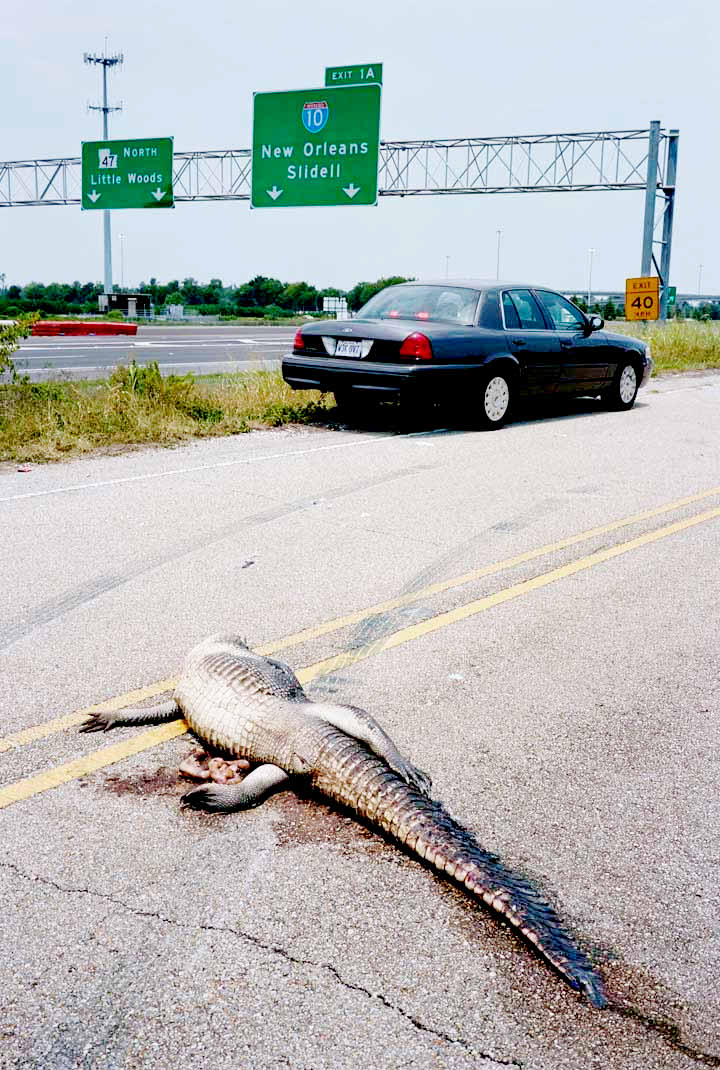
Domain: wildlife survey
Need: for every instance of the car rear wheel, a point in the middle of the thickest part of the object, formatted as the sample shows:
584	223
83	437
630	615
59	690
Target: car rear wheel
496	396
621	395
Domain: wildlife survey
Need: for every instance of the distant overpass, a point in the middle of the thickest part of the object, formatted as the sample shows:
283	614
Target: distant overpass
618	296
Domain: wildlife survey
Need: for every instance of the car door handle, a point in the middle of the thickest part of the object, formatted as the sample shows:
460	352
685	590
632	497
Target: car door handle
566	343
519	342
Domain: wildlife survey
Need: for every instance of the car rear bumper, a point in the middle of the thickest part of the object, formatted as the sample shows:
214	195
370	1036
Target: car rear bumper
417	380
648	365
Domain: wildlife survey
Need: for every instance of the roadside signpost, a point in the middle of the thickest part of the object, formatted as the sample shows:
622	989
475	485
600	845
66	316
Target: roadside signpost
127	174
642	298
316	147
371	72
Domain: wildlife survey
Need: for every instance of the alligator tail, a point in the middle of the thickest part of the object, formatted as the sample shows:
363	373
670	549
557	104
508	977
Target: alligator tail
353	777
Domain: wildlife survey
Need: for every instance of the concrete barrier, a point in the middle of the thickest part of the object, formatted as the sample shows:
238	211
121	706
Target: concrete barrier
48	328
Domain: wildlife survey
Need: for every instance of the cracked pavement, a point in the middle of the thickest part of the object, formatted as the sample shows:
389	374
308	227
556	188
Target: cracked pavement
573	731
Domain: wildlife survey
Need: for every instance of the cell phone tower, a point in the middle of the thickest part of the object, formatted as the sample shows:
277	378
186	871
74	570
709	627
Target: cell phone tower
105	61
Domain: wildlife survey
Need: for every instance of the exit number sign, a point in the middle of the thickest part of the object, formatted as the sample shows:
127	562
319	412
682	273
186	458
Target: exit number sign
370	72
642	298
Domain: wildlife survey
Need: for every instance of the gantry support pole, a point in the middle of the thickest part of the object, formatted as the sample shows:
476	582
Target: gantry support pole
669	190
650	188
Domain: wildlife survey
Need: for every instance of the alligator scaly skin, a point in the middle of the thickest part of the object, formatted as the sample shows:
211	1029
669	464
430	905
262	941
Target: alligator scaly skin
346	773
254	707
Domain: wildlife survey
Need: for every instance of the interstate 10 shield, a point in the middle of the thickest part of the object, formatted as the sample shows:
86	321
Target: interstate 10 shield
315	115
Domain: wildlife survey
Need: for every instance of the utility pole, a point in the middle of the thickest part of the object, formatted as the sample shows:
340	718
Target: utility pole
105	61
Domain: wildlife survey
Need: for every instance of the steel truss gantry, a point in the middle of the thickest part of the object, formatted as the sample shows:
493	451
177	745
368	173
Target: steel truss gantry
644	159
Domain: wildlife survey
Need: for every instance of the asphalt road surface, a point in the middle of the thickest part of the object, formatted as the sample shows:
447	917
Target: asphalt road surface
532	614
178	349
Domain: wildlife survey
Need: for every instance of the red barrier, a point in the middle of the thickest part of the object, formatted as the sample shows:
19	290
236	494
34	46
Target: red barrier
48	328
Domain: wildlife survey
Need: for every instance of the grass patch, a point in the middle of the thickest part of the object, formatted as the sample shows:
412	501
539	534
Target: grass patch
137	406
51	421
678	345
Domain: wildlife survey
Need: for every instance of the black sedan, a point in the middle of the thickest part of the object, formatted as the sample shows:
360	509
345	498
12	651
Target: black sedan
478	345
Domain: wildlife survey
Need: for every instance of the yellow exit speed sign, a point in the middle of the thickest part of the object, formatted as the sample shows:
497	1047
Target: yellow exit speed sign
642	298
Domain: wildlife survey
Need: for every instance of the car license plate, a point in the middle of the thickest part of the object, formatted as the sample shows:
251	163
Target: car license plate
348	349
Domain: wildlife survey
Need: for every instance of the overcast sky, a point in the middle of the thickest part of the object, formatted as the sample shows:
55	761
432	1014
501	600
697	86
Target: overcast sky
451	69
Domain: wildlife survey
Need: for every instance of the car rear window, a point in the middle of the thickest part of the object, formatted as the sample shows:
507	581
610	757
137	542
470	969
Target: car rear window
445	304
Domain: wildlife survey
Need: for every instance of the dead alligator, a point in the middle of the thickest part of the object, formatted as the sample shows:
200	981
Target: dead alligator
254	708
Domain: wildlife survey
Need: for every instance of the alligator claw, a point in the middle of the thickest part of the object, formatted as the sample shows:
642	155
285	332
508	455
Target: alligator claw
418	779
413	776
208	797
98	722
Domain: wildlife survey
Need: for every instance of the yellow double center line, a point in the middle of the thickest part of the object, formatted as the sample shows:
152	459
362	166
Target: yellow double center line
61	774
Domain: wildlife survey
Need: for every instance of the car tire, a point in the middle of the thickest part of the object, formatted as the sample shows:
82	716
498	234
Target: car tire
621	395
495	401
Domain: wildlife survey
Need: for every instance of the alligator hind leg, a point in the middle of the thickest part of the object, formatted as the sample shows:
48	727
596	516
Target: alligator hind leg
104	720
222	798
360	725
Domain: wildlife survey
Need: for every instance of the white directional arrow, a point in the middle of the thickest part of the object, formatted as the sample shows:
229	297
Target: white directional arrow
274	192
158	194
351	190
94	196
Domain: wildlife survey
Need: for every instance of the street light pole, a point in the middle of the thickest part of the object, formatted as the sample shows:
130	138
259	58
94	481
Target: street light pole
497	264
122	263
699	290
589	289
105	61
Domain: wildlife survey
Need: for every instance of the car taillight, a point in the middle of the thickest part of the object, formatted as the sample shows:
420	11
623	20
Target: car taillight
298	343
416	345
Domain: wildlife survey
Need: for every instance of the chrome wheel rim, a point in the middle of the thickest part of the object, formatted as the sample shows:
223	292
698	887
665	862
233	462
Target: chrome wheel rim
497	398
628	384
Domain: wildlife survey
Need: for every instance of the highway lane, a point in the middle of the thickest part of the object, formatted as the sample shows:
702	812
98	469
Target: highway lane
533	615
200	349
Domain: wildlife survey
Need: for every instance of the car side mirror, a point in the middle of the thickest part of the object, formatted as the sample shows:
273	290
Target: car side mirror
595	322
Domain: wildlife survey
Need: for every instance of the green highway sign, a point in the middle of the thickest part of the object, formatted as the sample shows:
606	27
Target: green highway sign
371	72
127	174
671	295
316	147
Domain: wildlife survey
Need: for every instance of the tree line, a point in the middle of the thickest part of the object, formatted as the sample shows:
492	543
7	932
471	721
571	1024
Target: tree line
261	296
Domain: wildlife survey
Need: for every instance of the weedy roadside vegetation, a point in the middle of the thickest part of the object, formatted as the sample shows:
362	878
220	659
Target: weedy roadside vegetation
678	345
137	405
50	421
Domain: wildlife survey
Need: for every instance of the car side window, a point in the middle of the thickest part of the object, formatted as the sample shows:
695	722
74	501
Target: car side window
512	320
527	310
564	316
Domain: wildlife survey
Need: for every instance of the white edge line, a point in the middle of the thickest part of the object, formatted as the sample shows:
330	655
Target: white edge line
219	464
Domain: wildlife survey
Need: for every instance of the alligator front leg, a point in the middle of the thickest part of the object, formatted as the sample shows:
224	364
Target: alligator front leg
222	798
104	720
360	725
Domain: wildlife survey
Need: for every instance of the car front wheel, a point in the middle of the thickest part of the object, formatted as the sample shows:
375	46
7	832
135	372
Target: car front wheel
496	395
621	395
